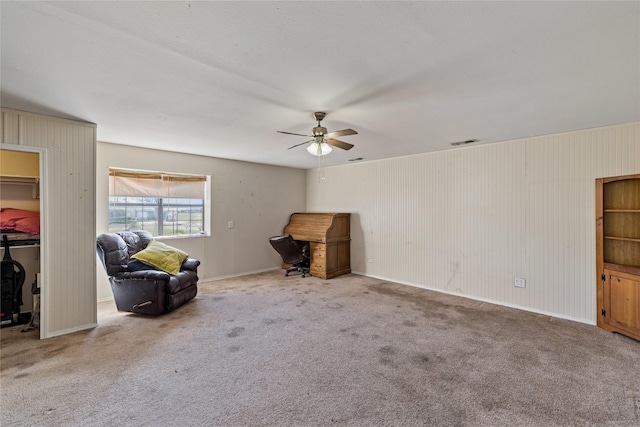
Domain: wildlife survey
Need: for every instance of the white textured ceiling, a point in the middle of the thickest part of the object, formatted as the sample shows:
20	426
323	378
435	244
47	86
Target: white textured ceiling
220	78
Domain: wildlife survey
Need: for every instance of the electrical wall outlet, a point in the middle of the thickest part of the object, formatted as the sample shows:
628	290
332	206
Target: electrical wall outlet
230	224
520	282
369	259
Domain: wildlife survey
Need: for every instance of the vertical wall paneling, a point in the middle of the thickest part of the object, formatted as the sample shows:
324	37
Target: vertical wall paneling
468	221
9	128
68	207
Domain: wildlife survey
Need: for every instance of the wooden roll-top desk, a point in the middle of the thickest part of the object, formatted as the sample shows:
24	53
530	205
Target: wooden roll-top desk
329	240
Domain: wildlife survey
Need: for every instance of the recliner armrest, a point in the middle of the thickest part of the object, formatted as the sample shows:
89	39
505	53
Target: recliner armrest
190	264
151	275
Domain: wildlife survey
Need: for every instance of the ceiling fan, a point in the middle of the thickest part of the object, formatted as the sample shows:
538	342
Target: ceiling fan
322	141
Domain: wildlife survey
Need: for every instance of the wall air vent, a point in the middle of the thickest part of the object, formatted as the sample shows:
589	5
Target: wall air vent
468	141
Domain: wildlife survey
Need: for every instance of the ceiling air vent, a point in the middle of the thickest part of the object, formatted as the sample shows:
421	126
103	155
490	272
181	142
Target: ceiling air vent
468	141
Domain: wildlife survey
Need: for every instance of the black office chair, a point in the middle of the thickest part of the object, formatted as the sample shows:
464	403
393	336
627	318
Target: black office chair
292	252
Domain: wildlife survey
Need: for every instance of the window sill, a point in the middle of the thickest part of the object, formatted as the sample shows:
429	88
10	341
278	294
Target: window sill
182	236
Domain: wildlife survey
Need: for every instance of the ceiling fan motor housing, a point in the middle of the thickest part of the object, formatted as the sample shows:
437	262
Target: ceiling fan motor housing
319	131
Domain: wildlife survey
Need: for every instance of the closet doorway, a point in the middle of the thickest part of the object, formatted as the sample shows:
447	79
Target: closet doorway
22	222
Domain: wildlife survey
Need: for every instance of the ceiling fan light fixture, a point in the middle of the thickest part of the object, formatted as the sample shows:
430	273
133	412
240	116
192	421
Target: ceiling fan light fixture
319	148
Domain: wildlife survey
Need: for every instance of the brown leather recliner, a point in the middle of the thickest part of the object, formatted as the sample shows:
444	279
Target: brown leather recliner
146	291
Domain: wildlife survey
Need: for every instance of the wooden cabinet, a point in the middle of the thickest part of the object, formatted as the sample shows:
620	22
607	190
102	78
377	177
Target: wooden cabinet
329	240
618	254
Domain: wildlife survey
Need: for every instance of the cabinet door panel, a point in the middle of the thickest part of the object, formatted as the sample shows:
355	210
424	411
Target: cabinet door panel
332	257
622	302
344	255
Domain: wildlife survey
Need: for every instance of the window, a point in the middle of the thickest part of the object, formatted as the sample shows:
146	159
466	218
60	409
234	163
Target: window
164	204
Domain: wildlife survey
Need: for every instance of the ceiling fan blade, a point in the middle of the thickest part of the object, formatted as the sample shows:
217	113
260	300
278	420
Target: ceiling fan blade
339	144
297	134
343	132
302	143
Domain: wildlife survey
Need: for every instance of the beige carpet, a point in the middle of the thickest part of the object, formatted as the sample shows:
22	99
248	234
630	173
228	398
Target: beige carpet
285	351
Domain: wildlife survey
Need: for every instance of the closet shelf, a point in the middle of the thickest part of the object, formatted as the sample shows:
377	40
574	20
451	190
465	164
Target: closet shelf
16	179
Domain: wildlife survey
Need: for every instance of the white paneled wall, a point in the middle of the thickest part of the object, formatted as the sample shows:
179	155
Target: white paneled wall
68	207
468	221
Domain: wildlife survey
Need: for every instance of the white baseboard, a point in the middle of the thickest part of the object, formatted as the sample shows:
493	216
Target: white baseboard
519	307
246	273
70	330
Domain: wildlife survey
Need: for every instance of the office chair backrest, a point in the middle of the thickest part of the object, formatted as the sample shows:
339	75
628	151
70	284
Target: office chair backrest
290	251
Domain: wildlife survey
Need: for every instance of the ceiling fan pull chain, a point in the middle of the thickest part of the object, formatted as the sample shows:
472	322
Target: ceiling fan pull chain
321	176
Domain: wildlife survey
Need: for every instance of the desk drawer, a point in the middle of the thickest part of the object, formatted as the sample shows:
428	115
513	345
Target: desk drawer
318	259
318	251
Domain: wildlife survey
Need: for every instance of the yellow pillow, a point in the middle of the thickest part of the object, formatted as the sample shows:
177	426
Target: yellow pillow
161	256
